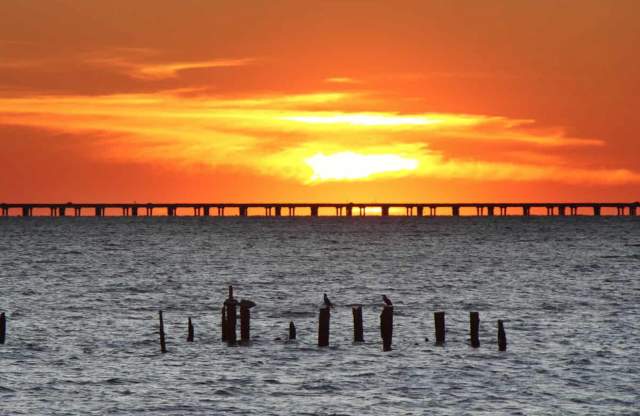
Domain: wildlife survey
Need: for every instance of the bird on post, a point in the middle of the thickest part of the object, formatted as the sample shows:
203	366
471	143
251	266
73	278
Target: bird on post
386	300
327	302
247	303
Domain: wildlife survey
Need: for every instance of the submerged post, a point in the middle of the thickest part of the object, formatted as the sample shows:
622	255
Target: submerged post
502	337
323	327
245	320
230	325
474	326
189	331
438	318
223	324
358	333
386	327
163	345
3	328
292	331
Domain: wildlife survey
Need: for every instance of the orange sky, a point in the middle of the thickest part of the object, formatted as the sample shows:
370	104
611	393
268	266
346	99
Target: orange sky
334	100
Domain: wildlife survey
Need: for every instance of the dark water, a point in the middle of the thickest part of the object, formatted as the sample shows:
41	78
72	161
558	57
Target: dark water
82	294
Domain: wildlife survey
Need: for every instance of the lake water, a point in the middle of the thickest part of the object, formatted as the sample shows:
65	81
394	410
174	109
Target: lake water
82	294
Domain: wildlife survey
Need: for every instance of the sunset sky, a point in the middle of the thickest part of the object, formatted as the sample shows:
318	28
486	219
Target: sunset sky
333	100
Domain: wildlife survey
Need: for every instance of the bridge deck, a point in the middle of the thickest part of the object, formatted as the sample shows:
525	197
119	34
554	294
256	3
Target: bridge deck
313	209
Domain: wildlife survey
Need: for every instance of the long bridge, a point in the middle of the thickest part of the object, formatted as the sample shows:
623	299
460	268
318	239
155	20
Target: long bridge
314	209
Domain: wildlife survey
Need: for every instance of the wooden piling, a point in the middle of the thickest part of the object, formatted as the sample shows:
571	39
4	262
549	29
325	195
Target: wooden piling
292	331
223	324
438	318
386	327
474	327
230	324
502	337
323	327
358	332
189	331
245	323
3	328
163	345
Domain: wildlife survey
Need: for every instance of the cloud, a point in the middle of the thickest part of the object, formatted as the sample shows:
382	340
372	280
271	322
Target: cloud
164	70
277	134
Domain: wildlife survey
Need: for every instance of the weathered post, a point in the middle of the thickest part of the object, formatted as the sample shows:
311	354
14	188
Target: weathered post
189	331
358	333
245	320
438	318
386	327
502	337
323	327
3	328
163	345
292	331
245	323
230	326
474	326
223	324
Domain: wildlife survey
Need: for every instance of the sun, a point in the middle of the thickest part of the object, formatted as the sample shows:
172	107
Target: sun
348	166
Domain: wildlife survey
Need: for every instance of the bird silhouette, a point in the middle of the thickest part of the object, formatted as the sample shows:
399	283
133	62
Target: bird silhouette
386	300
327	302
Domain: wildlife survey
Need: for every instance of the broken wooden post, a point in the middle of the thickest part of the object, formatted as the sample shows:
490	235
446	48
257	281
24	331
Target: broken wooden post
3	328
502	337
223	324
438	318
292	331
230	325
323	327
245	320
189	331
386	327
358	333
163	345
474	326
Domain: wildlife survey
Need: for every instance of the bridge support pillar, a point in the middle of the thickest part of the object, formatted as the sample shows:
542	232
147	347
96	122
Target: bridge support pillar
633	210
278	211
490	211
134	211
433	211
4	211
206	211
455	211
420	211
526	211
562	210
243	211
99	211
62	211
349	210
384	211
314	211
596	211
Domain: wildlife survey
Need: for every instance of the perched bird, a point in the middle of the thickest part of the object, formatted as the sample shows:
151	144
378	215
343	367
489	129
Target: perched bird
247	303
327	302
386	300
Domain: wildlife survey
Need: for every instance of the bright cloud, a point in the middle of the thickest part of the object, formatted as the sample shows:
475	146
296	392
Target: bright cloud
283	135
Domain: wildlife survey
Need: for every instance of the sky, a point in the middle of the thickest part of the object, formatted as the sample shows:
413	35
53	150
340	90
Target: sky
319	101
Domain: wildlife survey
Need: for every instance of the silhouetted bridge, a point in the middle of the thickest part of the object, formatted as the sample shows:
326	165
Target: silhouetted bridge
314	209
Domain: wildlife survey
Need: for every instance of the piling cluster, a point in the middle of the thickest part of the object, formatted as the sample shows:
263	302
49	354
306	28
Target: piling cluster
229	316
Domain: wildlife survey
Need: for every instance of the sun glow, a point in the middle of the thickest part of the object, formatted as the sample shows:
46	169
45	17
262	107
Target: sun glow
351	166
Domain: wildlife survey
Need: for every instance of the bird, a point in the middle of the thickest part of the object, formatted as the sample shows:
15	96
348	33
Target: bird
327	302
386	300
247	303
